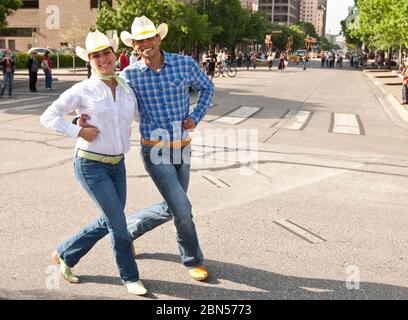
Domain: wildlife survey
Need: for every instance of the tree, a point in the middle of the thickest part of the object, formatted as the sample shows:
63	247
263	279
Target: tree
308	28
6	8
280	40
187	28
74	35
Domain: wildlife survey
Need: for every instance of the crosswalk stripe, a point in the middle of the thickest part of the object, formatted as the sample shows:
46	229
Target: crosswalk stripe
346	124
14	101
237	116
300	120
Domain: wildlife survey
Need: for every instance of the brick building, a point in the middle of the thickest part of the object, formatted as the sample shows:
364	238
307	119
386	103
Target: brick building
40	23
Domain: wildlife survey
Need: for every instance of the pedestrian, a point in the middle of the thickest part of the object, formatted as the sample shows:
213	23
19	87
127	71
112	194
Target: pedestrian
247	60
161	81
305	60
212	61
254	56
403	74
281	64
99	163
270	60
204	61
89	69
123	60
239	59
8	65
32	66
133	58
323	59
47	68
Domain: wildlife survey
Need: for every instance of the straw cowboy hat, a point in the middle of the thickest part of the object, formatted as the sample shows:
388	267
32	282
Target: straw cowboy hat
96	41
143	28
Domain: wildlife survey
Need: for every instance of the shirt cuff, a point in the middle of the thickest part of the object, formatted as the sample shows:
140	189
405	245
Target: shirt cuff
73	130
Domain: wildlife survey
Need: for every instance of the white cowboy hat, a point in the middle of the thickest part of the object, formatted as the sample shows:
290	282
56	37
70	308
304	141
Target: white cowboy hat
96	41
143	28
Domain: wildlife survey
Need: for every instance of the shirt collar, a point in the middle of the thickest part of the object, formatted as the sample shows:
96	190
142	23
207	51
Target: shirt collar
94	82
167	60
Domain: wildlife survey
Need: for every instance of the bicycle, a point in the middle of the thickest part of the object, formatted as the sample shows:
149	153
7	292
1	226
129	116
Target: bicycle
229	69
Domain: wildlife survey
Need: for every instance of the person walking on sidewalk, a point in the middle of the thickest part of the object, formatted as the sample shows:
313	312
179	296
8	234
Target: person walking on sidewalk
32	66
403	74
161	82
8	65
99	162
47	66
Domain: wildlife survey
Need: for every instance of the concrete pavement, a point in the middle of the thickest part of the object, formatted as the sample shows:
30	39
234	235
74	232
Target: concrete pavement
320	214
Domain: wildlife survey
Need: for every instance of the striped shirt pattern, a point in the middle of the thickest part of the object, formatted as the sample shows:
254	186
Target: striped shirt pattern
163	97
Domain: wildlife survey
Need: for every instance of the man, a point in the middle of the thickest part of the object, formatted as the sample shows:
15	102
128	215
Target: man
403	74
161	81
32	66
8	66
123	60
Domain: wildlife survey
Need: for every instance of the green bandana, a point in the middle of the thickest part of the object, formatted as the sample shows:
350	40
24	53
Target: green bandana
118	79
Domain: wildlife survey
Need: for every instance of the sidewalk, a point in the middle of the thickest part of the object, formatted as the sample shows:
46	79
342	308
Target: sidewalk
391	86
56	72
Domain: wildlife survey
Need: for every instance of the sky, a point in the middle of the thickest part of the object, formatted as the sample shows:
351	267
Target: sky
337	10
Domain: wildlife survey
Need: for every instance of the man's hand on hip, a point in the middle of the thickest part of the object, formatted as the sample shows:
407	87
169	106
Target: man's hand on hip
189	124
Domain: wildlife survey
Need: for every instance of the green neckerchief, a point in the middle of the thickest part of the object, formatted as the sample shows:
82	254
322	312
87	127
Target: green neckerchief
114	76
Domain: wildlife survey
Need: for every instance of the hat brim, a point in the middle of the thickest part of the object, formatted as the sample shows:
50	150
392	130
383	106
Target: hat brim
84	54
128	38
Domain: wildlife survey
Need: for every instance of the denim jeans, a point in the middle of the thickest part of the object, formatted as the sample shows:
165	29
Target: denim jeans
171	178
404	93
106	185
7	81
48	79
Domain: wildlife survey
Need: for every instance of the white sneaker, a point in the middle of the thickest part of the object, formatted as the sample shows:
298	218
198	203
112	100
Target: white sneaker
136	288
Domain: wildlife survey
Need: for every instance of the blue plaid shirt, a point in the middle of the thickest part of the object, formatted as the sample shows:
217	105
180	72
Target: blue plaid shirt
163	97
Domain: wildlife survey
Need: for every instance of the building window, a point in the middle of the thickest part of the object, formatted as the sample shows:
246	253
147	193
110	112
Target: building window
95	4
17	32
30	4
2	44
12	45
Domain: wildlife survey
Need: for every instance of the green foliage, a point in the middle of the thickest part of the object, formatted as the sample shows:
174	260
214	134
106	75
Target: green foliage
280	40
222	22
383	24
65	60
308	28
6	8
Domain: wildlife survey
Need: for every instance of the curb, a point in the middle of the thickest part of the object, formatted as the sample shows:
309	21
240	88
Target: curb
398	107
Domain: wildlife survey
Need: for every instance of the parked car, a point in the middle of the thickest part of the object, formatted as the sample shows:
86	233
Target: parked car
41	50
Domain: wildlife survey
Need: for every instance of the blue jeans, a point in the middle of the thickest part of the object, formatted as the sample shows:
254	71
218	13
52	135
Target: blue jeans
7	81
48	79
106	185
171	178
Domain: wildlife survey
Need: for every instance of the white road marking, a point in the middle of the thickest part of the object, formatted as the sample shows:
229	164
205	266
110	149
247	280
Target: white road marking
300	118
22	108
300	232
346	123
238	115
12	101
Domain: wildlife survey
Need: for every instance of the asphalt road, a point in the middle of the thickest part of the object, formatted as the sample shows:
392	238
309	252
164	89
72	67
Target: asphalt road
315	209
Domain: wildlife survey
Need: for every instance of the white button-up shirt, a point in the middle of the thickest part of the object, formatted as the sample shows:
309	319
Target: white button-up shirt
112	117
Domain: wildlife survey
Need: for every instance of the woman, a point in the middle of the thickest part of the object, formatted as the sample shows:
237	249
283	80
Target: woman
281	65
99	160
32	67
47	65
8	64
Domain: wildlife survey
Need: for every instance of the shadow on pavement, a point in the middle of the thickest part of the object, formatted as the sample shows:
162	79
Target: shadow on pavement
266	285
